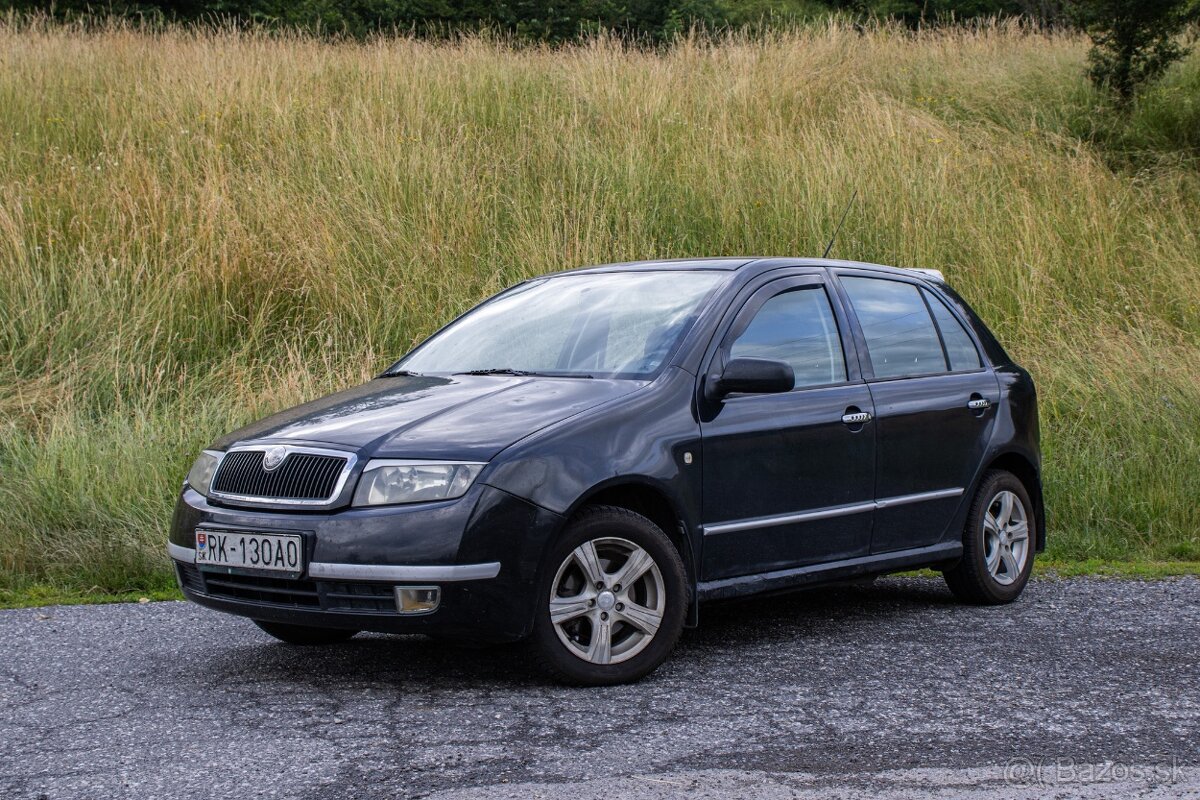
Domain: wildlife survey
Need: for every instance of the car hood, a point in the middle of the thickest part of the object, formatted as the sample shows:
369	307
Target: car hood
467	417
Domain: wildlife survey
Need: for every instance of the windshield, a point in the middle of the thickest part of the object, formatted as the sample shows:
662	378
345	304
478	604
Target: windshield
603	325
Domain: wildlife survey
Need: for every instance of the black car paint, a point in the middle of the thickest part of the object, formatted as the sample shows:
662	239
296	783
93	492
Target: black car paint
756	433
467	417
555	444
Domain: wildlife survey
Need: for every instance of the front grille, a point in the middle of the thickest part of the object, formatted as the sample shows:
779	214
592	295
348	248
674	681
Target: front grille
301	476
189	577
291	593
277	591
358	596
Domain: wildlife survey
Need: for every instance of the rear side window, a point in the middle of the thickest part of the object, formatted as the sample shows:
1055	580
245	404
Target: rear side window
901	338
959	347
797	327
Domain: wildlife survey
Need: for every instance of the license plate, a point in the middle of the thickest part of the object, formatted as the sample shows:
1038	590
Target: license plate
273	552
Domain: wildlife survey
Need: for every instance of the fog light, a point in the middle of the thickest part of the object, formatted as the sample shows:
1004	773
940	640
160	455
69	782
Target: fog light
417	599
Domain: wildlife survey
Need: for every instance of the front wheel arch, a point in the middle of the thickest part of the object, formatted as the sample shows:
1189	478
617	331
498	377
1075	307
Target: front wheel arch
648	498
630	527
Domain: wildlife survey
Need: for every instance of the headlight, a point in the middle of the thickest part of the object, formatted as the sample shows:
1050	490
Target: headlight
388	481
201	473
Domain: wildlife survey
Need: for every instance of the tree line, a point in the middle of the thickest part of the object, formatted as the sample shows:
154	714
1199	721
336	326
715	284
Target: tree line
1134	41
543	20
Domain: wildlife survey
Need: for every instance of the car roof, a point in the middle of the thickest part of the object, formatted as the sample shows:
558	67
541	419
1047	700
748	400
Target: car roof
680	264
754	264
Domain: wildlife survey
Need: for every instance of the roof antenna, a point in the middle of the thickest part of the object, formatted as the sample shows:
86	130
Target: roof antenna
838	229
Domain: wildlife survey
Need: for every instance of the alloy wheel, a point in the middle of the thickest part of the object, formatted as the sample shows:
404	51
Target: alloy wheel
607	600
1006	537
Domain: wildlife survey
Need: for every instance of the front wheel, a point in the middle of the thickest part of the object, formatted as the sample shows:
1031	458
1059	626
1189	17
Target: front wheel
304	634
998	543
612	601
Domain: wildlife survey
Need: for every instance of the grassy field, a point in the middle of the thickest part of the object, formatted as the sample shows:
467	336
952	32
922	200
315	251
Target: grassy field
199	228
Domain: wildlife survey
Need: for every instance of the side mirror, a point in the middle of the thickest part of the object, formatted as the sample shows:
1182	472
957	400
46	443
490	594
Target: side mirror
752	376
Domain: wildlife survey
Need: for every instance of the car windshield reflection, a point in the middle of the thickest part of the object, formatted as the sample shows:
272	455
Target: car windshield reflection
617	324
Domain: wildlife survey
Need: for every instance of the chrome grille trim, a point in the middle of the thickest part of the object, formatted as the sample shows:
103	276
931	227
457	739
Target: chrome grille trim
309	478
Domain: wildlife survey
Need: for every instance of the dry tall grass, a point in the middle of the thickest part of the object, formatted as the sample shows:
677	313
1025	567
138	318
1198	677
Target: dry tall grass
198	228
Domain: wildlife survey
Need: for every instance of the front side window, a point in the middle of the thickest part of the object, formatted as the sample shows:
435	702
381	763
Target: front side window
613	324
901	337
796	327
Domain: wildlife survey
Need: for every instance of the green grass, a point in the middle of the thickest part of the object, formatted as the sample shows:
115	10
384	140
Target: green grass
36	595
1050	568
198	228
1115	569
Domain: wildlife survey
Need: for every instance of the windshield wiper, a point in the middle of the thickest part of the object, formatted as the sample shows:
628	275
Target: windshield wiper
510	371
401	373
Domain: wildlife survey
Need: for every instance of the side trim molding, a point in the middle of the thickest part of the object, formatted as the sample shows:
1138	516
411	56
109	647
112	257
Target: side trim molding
905	499
387	572
754	523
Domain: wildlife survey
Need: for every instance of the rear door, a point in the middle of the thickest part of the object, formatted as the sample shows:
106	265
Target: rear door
786	481
935	405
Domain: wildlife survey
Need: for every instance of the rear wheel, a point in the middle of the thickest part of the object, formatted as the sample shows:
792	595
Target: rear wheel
304	634
612	601
997	543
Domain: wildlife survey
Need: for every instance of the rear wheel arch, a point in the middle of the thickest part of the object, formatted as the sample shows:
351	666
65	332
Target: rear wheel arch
1025	471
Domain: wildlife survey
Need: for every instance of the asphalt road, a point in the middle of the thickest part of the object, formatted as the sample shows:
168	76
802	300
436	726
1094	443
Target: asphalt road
1084	688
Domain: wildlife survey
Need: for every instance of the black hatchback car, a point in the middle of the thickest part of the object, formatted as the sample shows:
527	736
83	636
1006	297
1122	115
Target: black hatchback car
582	459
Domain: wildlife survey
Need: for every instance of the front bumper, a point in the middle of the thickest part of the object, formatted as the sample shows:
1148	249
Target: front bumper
483	552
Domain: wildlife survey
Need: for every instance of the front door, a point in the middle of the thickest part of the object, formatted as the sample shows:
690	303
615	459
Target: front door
787	482
935	407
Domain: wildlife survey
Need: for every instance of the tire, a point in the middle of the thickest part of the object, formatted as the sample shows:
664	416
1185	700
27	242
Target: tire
581	582
984	576
303	634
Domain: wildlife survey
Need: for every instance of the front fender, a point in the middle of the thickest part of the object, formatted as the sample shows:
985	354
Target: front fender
645	436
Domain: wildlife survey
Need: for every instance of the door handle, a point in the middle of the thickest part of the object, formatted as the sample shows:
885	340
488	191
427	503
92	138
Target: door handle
979	404
856	418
